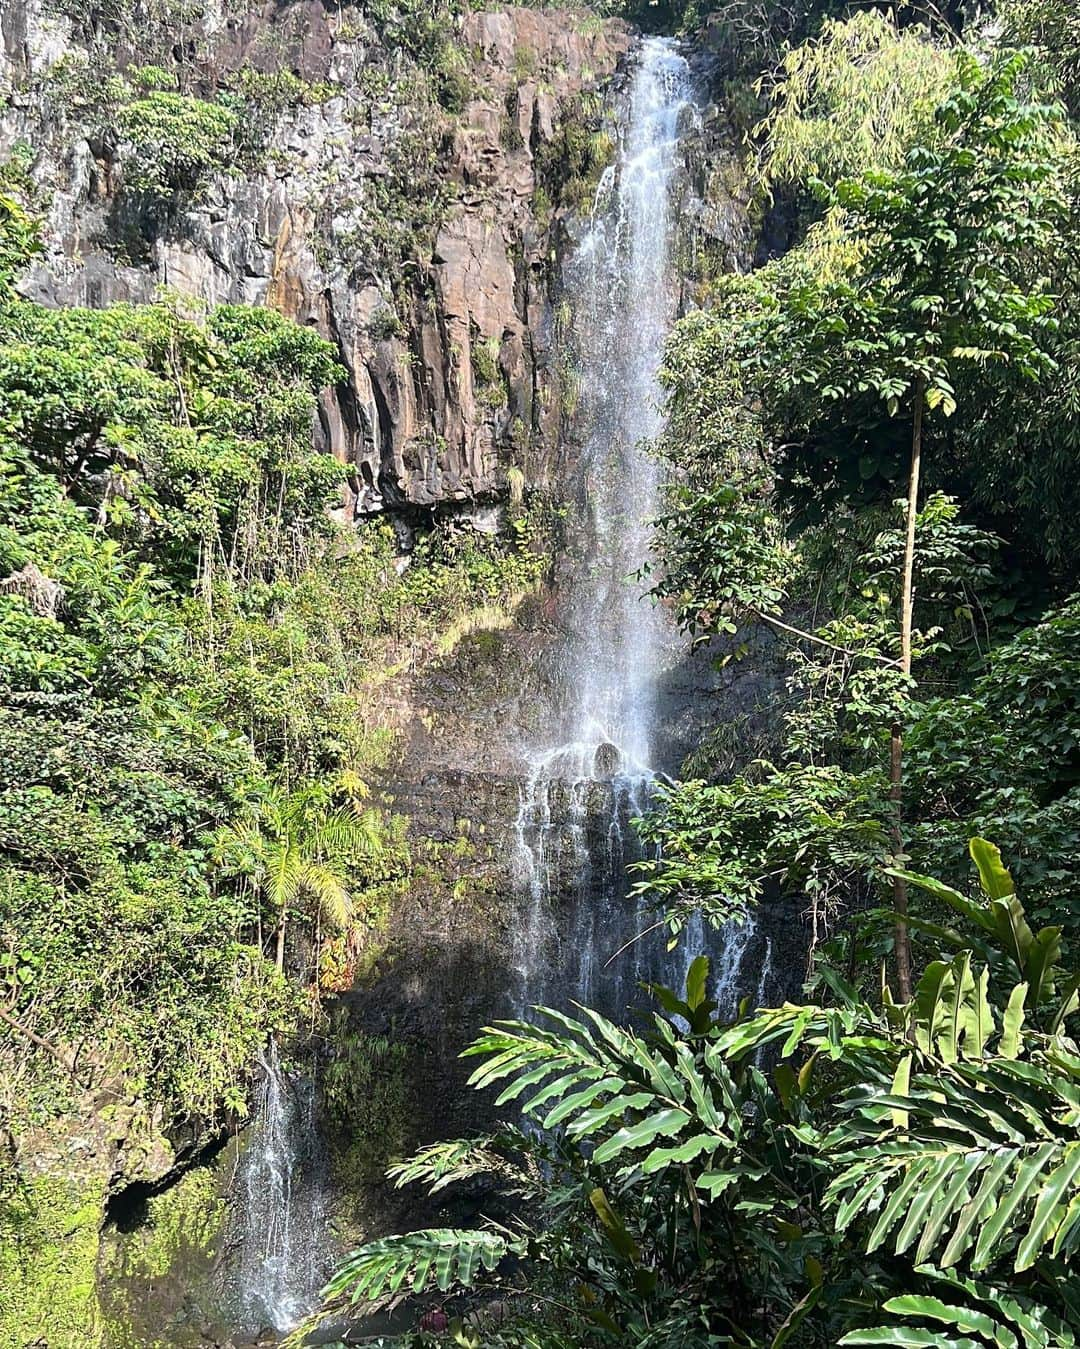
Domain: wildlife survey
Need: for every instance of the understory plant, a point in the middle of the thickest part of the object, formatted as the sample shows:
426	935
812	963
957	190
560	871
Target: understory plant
852	1170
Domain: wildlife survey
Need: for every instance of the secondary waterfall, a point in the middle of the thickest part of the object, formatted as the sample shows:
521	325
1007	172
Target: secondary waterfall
574	833
279	1239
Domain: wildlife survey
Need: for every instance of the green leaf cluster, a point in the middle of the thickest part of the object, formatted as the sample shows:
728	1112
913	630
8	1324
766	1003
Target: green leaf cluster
916	1163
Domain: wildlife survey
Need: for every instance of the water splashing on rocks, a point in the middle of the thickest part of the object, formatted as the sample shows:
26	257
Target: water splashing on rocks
280	1236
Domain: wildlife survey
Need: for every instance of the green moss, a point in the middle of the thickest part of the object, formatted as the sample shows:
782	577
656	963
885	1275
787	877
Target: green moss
48	1257
570	165
368	1102
153	1276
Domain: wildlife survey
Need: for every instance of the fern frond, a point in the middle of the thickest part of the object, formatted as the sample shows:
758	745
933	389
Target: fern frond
954	1306
444	1164
986	1158
442	1258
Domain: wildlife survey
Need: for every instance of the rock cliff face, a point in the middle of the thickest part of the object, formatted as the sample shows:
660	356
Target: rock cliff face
447	336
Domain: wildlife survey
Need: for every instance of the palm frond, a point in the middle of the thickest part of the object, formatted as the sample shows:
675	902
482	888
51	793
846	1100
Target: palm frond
324	884
284	875
442	1258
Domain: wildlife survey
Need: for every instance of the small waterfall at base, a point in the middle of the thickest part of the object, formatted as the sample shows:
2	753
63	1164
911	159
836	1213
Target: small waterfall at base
574	834
280	1206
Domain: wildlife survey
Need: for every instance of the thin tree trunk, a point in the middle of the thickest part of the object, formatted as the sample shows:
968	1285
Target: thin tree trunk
280	958
896	739
38	1040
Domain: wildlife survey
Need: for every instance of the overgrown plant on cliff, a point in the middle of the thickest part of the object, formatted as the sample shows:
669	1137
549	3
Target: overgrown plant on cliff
299	847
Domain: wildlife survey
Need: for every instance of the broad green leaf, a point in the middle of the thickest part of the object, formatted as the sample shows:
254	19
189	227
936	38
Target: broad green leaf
900	1085
1012	1022
1042	957
929	995
685	1152
614	1228
663	1124
697	978
993	877
907	1337
934	1309
579	1100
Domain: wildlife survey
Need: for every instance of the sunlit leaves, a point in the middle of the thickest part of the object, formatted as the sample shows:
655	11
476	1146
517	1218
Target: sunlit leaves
855	97
442	1259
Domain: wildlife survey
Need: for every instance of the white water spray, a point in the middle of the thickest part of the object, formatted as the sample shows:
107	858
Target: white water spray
281	1247
574	833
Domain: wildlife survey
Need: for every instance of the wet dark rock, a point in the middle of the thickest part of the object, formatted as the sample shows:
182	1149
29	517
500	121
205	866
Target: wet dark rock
606	760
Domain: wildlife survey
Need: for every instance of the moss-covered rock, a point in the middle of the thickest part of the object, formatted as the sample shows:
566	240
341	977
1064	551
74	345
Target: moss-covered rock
158	1264
48	1254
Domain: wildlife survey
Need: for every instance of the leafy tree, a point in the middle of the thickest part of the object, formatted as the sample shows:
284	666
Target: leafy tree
296	846
942	285
1003	754
853	98
929	299
177	142
18	241
1052	31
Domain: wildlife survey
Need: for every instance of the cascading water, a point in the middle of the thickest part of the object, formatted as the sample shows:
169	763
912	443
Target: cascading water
279	1237
574	833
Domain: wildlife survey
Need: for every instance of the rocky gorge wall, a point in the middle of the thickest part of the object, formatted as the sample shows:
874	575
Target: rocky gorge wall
451	355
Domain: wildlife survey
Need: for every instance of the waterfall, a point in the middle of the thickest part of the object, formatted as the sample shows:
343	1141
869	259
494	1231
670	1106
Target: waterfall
574	833
280	1256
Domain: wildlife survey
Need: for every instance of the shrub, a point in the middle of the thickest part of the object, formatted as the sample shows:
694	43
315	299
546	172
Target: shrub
175	143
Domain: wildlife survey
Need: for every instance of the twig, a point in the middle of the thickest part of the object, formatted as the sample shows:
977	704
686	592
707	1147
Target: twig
821	641
41	1043
626	945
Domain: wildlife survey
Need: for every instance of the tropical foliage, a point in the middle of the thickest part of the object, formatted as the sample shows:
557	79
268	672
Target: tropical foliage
873	499
849	1171
876	360
184	641
871	503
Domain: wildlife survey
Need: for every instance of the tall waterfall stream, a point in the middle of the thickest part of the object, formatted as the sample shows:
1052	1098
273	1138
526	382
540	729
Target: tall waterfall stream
579	934
582	935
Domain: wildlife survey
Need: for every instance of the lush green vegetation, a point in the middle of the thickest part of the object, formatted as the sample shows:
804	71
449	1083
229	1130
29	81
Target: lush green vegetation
843	1171
873	478
185	641
872	481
